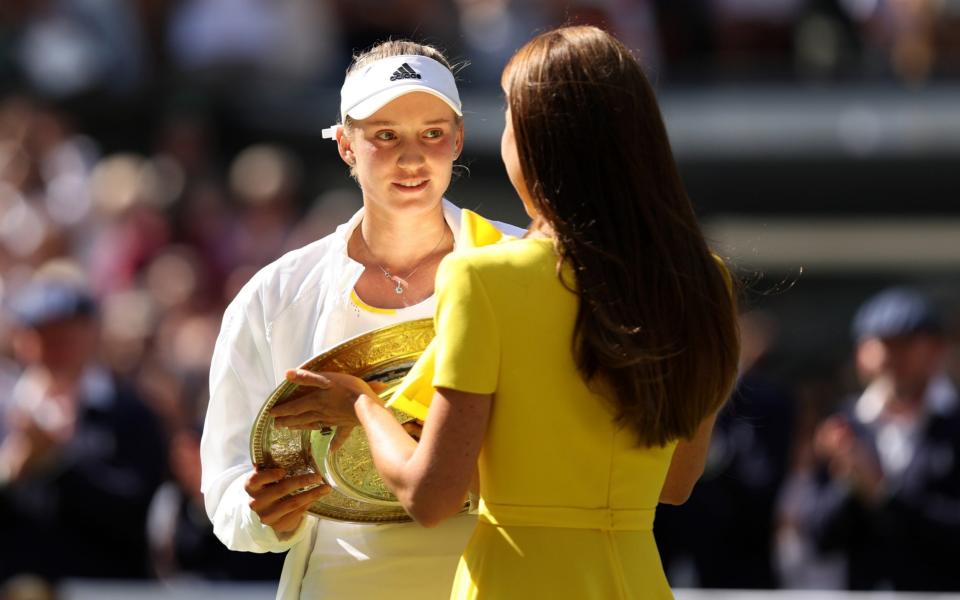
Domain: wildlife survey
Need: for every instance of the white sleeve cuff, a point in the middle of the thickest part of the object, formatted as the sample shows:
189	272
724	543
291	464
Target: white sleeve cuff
240	528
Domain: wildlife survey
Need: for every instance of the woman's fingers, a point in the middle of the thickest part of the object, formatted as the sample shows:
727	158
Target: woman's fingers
297	406
318	395
291	520
305	377
261	478
340	436
315	419
299	421
284	515
262	499
311	425
378	386
354	384
282	503
328	401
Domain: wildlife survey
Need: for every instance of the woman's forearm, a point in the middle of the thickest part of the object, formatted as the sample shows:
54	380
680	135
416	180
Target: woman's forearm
430	478
687	464
390	444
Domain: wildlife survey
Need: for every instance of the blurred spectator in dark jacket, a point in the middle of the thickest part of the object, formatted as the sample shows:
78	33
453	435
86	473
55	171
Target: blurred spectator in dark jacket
182	541
887	494
80	455
723	536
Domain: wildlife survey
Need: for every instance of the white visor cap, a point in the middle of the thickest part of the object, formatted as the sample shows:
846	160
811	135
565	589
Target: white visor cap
369	89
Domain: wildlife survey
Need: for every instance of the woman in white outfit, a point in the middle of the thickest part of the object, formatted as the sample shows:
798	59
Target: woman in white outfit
400	131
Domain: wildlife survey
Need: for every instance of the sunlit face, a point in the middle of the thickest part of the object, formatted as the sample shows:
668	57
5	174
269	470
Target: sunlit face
403	154
511	160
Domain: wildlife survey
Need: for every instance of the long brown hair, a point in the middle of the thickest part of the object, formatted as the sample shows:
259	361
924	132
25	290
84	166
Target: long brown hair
657	318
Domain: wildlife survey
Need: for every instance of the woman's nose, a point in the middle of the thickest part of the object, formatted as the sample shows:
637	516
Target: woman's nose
411	154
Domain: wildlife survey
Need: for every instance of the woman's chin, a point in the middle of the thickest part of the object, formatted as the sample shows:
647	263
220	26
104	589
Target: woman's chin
405	201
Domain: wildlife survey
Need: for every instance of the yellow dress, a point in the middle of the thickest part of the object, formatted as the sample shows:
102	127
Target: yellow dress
567	498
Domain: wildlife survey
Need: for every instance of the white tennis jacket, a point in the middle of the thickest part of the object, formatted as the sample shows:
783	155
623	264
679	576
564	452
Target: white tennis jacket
290	311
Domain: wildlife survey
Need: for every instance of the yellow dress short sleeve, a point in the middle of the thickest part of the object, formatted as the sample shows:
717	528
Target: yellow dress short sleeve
468	339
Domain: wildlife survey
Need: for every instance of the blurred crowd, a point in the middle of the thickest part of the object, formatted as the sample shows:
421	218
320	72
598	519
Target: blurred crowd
114	273
73	47
120	246
845	480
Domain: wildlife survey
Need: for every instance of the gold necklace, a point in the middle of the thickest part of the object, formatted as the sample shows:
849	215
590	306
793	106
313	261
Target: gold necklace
400	282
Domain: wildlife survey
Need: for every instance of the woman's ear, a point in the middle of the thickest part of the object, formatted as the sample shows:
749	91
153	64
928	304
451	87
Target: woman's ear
458	143
344	148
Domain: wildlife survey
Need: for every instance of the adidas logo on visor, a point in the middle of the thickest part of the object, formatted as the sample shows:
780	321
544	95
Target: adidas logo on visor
405	72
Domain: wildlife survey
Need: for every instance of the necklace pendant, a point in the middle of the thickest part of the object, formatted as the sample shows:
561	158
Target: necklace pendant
398	289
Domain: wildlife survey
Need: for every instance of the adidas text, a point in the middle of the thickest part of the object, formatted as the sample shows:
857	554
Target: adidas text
405	72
